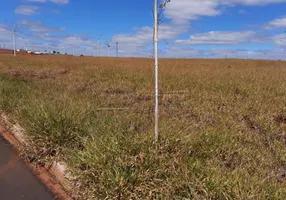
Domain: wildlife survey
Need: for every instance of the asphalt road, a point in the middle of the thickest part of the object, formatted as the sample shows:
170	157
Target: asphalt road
16	181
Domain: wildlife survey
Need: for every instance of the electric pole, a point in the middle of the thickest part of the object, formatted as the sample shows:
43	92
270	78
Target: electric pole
14	40
116	49
98	48
98	44
108	46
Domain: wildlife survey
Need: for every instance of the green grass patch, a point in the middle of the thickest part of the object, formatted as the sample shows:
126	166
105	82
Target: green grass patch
222	125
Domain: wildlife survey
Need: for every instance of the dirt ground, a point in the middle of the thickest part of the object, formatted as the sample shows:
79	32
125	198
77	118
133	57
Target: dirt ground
8	51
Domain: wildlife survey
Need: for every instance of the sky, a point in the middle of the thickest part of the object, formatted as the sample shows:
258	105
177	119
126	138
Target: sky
188	28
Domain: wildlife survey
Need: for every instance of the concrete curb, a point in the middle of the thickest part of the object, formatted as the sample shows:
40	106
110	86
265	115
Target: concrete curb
55	177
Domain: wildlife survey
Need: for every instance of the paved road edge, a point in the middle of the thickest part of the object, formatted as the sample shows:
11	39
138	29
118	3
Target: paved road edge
53	178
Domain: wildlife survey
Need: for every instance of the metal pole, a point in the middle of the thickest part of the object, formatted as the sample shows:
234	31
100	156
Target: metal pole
167	49
156	135
14	40
98	47
98	44
14	43
117	49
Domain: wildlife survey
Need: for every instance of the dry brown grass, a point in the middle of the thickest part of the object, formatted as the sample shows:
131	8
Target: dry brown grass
222	124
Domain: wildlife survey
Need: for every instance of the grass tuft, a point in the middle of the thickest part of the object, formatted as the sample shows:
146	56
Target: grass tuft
222	125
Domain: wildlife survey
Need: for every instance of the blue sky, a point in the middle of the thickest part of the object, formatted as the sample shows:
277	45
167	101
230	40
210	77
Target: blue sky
190	28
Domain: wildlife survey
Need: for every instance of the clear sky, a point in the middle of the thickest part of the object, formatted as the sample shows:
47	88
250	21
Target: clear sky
190	28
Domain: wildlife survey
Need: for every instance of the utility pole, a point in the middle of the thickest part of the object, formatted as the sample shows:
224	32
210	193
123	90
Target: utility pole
98	44
116	49
14	40
98	48
108	46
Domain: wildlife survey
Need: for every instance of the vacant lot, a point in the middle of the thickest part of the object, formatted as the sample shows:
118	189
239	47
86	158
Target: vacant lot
222	124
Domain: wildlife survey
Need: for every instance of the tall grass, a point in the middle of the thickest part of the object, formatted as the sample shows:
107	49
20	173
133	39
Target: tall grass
222	125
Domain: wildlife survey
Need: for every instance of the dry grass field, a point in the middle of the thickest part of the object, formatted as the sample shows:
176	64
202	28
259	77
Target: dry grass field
222	124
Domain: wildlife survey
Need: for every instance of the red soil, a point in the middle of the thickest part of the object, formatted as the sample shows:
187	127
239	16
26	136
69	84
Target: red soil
9	51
